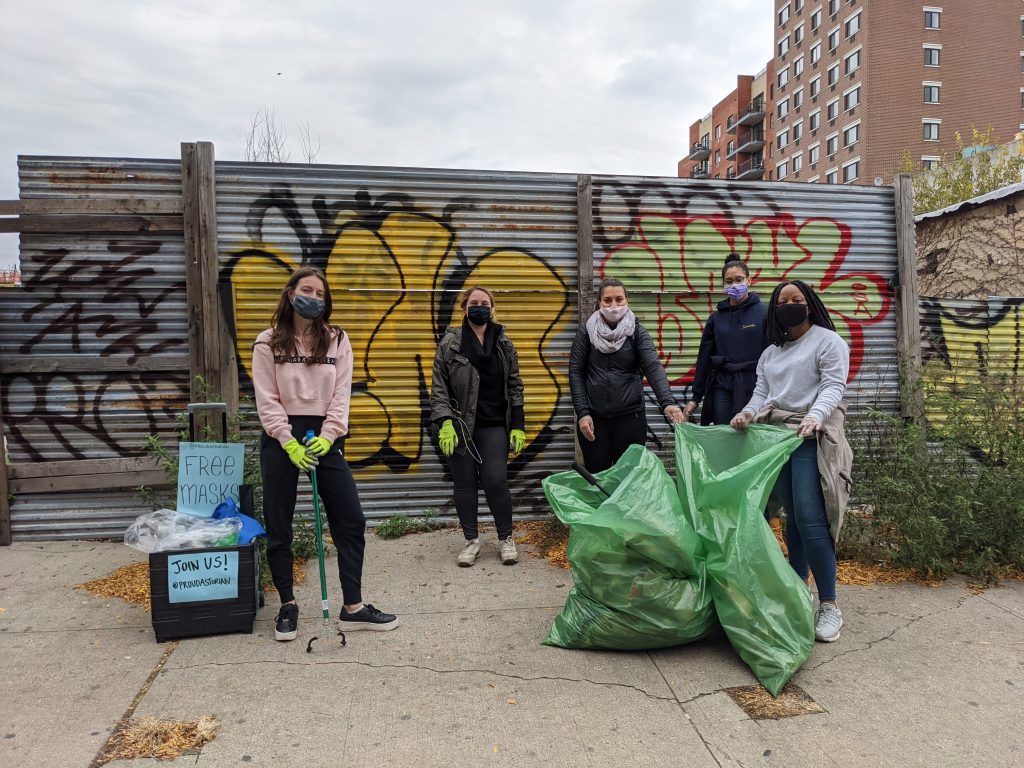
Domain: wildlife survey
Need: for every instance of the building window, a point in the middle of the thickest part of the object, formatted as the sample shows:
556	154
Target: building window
851	135
931	55
798	67
783	108
852	25
798	5
851	98
798	130
784	46
1022	62
782	140
832	177
798	98
815	86
782	170
814	120
930	162
931	130
833	7
833	39
783	77
815	20
718	156
718	132
832	110
798	35
851	170
798	162
813	154
783	15
730	148
832	144
852	62
931	93
815	53
932	18
833	74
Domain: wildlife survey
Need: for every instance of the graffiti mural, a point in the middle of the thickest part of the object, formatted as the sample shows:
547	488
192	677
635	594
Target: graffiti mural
974	339
396	272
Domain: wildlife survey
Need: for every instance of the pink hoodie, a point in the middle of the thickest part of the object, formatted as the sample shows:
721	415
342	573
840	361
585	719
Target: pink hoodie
286	386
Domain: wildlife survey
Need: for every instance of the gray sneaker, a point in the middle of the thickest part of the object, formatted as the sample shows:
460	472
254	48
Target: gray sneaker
509	553
828	620
469	554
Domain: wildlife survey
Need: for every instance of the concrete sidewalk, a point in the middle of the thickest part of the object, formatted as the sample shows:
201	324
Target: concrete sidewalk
920	677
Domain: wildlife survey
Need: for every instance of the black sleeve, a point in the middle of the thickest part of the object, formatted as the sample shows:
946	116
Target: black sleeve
703	370
578	373
440	406
652	368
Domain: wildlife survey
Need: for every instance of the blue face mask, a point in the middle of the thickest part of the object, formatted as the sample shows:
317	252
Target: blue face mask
308	307
479	315
736	290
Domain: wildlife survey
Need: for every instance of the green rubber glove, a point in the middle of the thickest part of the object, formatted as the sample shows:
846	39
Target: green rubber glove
447	438
318	446
299	456
516	441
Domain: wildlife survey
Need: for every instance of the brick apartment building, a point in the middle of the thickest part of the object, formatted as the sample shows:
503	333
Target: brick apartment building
856	84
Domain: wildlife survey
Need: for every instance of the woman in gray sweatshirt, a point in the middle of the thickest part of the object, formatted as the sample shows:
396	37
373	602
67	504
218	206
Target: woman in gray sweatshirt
803	370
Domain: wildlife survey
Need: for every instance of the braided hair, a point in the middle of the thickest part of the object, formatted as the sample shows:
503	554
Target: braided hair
816	312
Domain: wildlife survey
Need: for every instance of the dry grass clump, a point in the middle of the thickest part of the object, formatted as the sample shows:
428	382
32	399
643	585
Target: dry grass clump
162	739
547	539
759	704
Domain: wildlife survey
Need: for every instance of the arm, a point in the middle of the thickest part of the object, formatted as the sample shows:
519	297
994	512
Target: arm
578	373
268	398
834	365
515	386
650	365
760	389
440	397
336	420
703	367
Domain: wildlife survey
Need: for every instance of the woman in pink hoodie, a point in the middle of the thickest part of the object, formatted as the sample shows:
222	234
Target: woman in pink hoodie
302	373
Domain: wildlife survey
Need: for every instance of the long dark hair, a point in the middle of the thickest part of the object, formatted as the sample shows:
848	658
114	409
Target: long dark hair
816	312
282	340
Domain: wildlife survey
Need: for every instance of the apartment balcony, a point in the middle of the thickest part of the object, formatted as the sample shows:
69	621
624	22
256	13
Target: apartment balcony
750	169
750	141
730	124
700	171
753	113
700	151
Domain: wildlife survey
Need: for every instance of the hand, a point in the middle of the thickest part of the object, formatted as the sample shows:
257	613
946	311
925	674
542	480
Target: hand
675	414
691	407
318	446
587	428
516	441
299	456
741	420
447	438
808	427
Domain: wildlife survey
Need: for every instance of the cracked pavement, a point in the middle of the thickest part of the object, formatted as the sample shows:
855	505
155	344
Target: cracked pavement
921	676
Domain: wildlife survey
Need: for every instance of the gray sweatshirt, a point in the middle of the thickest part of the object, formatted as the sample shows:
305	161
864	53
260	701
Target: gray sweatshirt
806	376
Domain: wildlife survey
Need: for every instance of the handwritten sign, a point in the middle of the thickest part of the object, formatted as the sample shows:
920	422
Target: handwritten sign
204	576
208	473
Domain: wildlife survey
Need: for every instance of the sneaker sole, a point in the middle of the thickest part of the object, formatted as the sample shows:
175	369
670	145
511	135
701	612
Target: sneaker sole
464	564
354	626
510	561
829	639
285	636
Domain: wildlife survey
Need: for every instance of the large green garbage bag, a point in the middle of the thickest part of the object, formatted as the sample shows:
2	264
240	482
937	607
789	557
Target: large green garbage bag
724	478
637	562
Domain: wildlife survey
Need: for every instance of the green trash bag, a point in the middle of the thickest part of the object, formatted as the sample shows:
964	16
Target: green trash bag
636	560
724	478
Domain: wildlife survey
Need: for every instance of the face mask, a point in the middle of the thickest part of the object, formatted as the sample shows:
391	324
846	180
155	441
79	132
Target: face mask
479	315
736	290
791	315
612	315
308	307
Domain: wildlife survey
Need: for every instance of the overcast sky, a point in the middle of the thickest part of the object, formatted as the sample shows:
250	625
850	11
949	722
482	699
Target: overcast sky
595	86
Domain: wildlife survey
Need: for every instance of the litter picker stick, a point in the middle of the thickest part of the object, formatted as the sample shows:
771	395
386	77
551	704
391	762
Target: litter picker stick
319	544
581	470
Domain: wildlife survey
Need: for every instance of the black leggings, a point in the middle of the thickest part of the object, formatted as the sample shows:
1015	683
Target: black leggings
341	504
492	445
612	436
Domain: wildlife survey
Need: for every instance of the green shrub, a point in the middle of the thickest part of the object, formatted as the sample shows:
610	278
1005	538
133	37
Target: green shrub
397	526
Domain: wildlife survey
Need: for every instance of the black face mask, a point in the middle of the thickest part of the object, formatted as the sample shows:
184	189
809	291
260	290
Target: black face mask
791	315
479	315
308	307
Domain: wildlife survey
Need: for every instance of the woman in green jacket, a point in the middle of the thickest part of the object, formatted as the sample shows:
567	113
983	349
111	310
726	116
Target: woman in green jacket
476	404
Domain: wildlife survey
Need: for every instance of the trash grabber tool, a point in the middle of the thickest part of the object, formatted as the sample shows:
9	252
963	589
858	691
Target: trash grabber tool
319	543
589	478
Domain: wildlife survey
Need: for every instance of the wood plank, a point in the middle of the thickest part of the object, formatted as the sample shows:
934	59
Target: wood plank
86	364
113	480
24	471
5	504
193	271
107	205
908	315
585	247
84	224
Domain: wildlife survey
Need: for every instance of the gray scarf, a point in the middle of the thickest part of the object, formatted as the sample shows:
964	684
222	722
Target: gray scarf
607	339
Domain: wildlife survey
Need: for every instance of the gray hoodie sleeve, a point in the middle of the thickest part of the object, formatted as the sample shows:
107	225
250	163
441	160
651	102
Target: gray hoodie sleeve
833	359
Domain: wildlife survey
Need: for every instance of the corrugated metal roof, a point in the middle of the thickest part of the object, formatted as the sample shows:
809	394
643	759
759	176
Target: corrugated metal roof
974	202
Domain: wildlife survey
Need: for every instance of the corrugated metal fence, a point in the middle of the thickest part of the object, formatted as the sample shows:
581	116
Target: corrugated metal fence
398	245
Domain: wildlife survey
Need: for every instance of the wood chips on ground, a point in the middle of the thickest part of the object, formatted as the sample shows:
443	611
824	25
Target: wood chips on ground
759	704
162	739
131	583
547	539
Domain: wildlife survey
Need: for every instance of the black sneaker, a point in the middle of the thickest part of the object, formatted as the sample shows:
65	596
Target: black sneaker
367	617
287	622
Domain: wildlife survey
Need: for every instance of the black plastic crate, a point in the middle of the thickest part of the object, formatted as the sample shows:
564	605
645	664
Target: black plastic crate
220	612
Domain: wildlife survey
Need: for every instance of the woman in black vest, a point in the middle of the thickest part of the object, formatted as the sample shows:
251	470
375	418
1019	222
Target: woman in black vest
611	355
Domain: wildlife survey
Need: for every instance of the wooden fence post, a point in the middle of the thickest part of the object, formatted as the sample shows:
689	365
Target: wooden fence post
908	314
5	504
584	247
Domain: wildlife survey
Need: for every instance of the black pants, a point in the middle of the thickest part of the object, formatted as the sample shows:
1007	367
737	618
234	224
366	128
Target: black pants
492	473
612	436
340	501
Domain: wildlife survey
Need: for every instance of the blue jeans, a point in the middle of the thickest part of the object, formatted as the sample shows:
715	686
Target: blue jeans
722	406
798	489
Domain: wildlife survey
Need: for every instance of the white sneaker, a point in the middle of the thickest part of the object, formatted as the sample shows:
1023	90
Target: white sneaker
828	620
469	554
509	553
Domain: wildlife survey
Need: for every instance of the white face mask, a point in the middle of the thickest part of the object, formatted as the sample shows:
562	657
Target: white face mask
614	314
